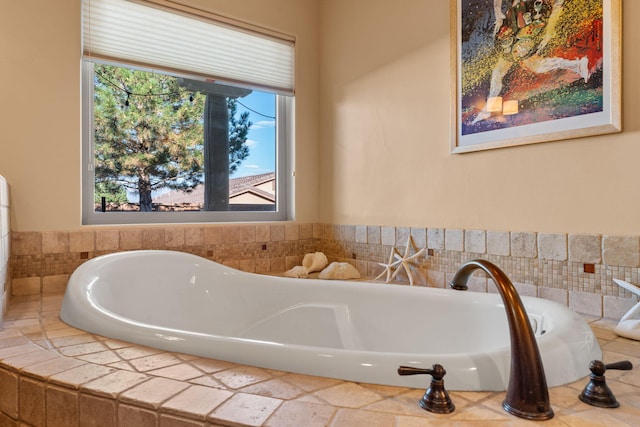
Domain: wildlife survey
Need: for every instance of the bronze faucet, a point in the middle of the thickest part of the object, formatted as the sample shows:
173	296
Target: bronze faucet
527	393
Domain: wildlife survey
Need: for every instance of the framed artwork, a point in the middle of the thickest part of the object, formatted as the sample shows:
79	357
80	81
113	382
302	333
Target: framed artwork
530	71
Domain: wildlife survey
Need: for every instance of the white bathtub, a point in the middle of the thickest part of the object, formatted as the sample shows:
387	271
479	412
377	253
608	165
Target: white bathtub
355	331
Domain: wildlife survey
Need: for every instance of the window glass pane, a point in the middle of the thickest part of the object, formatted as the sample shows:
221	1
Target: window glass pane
164	143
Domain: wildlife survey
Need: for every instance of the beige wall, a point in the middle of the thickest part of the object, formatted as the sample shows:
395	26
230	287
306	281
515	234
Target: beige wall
385	137
372	125
40	109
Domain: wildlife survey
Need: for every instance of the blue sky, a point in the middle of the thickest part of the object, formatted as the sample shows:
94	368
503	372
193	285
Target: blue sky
262	134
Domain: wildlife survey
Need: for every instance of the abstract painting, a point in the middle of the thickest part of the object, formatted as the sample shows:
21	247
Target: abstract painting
529	71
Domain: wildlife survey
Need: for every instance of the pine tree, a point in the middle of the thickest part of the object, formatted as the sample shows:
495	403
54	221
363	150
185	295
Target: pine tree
149	132
112	192
238	133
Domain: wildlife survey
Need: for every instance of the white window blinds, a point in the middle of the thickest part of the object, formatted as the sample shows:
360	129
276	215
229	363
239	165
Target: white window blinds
182	41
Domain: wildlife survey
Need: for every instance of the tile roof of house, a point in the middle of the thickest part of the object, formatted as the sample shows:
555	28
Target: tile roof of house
237	186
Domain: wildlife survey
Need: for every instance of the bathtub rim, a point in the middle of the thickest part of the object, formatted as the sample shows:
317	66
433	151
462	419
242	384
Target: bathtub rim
323	366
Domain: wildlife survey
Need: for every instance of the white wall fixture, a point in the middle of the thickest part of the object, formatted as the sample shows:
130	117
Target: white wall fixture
629	325
4	244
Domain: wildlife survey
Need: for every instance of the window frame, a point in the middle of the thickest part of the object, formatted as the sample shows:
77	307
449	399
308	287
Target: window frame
284	170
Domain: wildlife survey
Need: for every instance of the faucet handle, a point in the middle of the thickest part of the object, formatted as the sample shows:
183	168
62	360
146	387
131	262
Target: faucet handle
410	370
597	392
437	371
435	399
623	365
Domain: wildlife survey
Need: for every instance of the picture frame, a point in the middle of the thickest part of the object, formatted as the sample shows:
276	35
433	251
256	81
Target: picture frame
529	71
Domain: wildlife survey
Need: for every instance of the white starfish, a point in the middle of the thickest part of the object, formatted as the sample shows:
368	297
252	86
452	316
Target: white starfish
403	261
388	267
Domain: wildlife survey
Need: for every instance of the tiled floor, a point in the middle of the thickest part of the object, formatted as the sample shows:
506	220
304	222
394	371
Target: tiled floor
55	375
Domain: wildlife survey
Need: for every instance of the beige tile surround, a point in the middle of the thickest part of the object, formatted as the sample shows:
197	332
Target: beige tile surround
57	376
573	269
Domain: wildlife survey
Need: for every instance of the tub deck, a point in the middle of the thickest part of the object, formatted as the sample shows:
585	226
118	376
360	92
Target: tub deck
53	373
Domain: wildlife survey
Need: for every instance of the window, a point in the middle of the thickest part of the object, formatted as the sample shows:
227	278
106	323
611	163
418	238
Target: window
172	132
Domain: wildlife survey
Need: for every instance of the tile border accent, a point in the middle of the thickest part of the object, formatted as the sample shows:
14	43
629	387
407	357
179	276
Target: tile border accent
549	265
41	262
574	269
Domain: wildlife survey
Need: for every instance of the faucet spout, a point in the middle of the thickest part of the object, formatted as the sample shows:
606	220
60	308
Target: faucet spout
527	392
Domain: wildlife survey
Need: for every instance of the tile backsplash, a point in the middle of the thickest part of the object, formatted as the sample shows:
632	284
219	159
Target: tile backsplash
41	262
573	269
